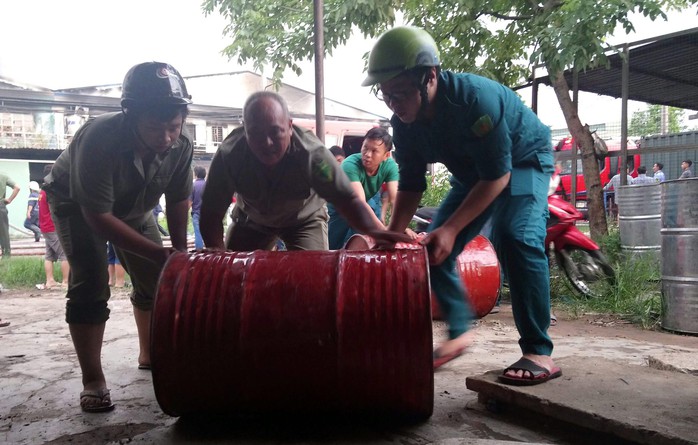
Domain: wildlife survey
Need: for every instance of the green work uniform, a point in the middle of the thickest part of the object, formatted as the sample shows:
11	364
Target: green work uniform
481	131
100	171
286	203
5	182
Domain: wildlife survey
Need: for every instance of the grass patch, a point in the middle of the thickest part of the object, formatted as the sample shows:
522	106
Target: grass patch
635	297
25	272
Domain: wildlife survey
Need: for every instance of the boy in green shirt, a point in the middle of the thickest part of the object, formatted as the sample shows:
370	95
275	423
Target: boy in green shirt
367	171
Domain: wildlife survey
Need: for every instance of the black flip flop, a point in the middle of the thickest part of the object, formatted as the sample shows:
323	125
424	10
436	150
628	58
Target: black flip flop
538	374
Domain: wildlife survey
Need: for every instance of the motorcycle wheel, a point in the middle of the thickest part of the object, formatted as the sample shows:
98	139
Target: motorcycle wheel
588	271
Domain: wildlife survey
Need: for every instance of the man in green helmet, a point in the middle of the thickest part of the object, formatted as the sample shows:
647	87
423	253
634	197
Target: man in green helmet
500	156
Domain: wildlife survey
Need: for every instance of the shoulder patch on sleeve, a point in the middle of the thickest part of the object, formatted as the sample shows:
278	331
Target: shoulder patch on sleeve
482	126
323	170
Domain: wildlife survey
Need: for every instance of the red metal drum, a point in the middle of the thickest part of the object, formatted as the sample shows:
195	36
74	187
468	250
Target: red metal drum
477	265
479	271
294	332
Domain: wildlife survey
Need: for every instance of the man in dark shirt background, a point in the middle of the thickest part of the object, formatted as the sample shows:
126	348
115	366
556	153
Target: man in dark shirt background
196	193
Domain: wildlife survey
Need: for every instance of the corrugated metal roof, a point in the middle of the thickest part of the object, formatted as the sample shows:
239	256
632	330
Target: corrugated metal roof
218	97
662	72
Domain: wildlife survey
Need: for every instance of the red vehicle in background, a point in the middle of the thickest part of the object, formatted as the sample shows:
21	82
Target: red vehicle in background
609	165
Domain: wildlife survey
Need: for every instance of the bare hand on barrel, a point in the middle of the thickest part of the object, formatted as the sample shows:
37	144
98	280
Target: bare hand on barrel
412	234
386	239
439	244
164	254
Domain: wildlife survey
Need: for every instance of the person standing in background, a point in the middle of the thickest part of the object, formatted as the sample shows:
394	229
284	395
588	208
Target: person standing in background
74	122
338	153
157	210
31	222
642	177
117	273
658	173
6	182
197	192
54	250
614	183
686	167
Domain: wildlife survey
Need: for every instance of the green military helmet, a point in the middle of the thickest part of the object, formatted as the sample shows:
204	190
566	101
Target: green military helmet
398	50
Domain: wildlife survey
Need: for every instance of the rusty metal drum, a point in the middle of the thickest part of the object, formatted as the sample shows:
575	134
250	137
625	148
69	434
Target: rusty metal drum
294	332
679	235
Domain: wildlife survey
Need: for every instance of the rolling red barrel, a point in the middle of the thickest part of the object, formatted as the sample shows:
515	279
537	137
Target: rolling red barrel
294	332
479	271
477	266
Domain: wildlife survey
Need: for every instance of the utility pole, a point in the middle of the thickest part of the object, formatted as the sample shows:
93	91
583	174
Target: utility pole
319	41
664	122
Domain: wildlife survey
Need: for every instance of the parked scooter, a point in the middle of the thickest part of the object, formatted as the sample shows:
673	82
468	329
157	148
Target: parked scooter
581	259
585	266
576	254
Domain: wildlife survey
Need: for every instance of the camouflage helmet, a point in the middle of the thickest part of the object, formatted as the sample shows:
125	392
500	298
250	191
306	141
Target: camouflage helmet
153	83
398	50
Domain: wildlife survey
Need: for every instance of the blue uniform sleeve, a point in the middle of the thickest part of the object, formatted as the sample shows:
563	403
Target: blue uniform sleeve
493	145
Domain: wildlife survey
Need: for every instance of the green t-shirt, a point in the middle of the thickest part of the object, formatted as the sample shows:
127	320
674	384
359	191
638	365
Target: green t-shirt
387	172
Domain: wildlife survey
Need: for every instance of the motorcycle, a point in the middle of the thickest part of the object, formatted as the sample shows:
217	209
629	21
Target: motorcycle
577	255
585	266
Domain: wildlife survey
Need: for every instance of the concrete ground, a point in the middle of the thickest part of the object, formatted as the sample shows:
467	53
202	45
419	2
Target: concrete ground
40	382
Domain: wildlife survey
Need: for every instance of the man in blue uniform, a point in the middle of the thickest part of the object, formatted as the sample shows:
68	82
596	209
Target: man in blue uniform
499	154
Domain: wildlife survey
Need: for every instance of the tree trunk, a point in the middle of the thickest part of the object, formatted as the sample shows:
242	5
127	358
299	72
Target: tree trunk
581	134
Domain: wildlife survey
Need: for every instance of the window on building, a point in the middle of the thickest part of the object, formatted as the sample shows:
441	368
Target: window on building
217	134
190	131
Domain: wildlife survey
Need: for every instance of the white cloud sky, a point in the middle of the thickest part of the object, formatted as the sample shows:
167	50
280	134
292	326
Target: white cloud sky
62	44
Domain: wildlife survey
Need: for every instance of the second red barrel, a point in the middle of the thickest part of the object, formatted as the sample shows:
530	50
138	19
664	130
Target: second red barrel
479	271
477	266
294	332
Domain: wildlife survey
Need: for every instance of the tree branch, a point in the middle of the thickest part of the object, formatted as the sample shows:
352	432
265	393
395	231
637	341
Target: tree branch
552	4
507	17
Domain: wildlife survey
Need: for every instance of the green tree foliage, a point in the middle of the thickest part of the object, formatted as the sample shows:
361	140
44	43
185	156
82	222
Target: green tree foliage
649	121
438	186
501	39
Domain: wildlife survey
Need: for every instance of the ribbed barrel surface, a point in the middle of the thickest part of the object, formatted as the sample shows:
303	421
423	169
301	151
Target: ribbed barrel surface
293	332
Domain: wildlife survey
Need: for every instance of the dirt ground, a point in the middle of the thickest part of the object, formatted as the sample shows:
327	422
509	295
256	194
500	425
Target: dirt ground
40	382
